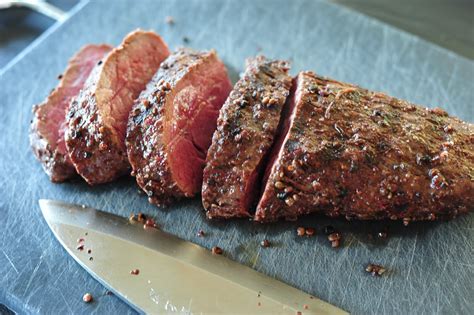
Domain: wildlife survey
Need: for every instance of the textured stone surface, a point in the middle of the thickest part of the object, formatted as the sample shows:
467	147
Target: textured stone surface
430	264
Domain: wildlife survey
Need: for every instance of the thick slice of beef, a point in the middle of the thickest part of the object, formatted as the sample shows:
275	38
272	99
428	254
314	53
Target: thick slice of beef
171	125
97	119
49	118
365	155
246	129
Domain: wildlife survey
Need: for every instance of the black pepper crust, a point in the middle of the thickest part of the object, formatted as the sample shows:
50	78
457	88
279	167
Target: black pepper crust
146	148
95	146
95	150
55	164
246	128
365	155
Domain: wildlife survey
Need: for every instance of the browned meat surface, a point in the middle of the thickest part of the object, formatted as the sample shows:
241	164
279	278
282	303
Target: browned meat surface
364	155
171	125
246	129
97	119
49	121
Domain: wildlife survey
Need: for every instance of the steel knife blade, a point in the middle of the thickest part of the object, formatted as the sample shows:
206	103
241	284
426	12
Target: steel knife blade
173	275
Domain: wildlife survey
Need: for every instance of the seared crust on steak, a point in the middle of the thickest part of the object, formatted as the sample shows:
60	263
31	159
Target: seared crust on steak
365	155
98	117
48	123
246	129
171	124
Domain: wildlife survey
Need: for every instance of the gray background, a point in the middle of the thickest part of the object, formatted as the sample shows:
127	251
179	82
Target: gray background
430	264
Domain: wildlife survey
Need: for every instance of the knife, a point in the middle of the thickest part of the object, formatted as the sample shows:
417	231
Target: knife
158	273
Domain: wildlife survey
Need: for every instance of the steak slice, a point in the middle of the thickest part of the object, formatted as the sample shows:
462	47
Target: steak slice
171	125
49	118
364	155
97	119
246	129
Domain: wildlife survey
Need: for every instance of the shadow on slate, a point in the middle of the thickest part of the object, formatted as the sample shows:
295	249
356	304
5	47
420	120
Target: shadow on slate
431	264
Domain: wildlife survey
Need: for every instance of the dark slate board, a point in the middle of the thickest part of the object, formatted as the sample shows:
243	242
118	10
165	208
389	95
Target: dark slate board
431	264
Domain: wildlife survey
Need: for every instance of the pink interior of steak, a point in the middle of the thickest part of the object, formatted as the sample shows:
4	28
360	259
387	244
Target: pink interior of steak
192	120
125	74
80	66
288	116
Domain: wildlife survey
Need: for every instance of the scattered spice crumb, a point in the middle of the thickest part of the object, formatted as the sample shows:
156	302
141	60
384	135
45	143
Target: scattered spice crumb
87	298
89	251
60	77
375	270
141	217
298	313
310	232
109	292
201	233
80	240
217	250
382	235
86	234
406	221
149	223
80	247
169	20
301	231
259	303
265	243
306	306
186	39
135	272
91	258
335	239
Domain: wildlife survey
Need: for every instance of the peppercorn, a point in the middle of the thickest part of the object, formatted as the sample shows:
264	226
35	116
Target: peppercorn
310	232
141	217
217	250
375	270
334	236
265	243
135	272
301	231
87	298
149	223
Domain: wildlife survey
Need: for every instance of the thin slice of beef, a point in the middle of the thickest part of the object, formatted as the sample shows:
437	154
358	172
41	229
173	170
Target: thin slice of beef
97	119
246	129
365	155
171	125
49	118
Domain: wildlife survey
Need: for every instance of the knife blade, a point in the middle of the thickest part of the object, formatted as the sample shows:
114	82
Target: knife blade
171	275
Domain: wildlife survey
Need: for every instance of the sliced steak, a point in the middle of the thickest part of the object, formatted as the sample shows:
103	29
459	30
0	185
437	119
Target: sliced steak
246	129
97	119
171	125
364	155
49	121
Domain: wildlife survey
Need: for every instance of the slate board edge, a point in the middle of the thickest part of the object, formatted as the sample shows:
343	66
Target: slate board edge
53	28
